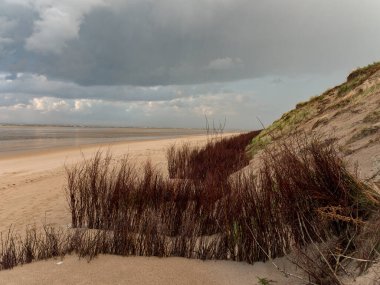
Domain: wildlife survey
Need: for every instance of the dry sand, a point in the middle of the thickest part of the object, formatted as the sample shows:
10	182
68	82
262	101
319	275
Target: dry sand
142	270
31	189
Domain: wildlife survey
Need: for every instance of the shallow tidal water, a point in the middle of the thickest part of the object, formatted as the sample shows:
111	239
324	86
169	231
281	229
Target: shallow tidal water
19	139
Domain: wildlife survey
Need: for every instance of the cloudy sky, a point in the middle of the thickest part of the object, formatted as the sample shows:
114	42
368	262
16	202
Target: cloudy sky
170	62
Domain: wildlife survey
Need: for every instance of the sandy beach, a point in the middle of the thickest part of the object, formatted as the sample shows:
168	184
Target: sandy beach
32	193
32	184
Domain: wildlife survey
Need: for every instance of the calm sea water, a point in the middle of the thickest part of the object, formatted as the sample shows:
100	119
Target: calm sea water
16	139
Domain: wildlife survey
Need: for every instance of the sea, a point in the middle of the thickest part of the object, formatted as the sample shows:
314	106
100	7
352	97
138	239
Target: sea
19	139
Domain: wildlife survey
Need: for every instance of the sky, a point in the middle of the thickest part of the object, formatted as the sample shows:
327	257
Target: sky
170	63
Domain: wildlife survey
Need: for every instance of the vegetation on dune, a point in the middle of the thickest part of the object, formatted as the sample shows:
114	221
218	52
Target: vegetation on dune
284	125
365	133
373	117
358	76
333	99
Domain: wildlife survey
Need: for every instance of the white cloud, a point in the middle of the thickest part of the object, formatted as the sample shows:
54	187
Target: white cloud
82	104
224	63
47	104
38	104
53	31
18	107
58	23
3	76
178	112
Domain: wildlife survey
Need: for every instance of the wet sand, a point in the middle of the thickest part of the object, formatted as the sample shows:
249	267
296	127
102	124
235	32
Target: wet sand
26	139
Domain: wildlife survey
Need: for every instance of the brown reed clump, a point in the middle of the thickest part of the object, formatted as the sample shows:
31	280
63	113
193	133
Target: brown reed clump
310	176
302	196
218	158
324	206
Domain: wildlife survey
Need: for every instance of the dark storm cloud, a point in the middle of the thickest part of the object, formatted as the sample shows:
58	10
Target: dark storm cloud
150	42
170	62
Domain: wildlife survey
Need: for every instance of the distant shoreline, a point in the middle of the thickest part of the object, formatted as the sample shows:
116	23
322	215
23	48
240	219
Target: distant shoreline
21	139
85	146
93	126
114	127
